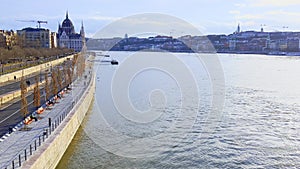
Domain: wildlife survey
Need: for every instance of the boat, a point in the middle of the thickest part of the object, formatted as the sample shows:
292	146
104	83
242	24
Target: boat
114	62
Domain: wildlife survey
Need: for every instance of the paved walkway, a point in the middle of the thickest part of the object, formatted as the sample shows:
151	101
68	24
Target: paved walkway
20	144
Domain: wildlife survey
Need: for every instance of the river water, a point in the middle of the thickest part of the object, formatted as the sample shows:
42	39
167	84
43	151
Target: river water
177	125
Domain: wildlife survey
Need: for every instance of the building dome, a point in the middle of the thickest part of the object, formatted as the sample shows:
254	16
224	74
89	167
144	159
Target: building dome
67	23
67	26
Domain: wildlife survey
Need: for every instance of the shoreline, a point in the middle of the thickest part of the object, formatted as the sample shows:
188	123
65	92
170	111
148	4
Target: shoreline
296	54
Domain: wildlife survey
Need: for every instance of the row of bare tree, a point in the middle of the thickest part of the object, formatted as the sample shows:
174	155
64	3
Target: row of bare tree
61	77
17	54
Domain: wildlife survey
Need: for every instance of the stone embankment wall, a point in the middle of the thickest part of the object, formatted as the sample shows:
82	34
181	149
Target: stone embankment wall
49	155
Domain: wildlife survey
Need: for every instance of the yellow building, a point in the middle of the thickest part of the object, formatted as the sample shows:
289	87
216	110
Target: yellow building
7	38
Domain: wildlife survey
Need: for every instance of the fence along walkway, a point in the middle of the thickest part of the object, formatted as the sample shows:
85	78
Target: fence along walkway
21	144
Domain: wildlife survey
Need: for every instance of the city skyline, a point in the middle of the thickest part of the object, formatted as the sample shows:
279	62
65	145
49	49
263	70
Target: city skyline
213	17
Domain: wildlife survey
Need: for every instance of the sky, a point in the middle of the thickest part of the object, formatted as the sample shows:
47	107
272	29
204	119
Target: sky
208	16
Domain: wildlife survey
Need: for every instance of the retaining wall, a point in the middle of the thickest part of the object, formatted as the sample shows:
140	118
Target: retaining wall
16	94
50	153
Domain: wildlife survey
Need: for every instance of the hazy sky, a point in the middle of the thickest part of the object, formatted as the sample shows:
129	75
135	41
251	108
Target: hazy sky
209	16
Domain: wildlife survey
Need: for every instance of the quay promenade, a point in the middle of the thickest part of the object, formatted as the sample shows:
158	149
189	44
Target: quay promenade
23	143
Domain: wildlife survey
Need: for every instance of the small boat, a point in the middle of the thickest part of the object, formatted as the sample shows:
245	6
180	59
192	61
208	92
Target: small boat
114	62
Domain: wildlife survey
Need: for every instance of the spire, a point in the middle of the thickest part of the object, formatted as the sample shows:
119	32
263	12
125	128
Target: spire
82	29
238	28
67	15
83	37
59	28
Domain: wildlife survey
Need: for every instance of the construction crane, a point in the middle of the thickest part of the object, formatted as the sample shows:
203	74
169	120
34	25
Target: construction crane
39	22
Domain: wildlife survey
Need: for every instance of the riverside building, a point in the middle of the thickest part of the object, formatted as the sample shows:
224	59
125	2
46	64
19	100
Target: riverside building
35	37
68	38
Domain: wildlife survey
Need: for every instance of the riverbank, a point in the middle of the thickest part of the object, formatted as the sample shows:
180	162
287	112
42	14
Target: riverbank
26	148
49	155
262	53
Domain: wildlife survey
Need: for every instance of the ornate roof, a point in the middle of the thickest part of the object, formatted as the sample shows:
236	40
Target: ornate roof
67	26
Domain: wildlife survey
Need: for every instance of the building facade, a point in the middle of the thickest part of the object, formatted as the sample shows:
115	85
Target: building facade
2	40
7	39
68	38
35	37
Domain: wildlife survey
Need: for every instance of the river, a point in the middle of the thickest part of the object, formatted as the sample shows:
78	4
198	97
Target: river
164	115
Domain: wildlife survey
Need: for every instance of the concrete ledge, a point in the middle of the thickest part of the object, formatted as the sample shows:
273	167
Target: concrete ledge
15	94
50	153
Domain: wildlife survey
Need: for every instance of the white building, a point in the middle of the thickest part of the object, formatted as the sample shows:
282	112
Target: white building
68	38
53	40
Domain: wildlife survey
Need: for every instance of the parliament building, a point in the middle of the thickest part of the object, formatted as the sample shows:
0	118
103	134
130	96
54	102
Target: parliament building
68	38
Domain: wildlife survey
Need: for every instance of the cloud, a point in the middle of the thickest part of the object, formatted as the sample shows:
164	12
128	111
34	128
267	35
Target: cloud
270	15
102	18
218	23
148	23
281	18
273	19
240	5
283	13
250	16
274	2
239	16
235	12
250	24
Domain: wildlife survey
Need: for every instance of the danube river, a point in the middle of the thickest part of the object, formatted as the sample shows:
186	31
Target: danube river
173	110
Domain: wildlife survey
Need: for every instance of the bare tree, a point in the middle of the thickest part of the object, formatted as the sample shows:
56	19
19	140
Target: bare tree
47	90
18	53
37	93
74	65
54	82
65	75
81	64
59	78
70	75
24	105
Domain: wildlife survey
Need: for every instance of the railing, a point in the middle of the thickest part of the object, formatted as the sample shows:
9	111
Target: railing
40	138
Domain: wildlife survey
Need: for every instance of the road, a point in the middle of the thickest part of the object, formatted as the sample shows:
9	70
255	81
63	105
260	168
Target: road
11	115
16	85
6	88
